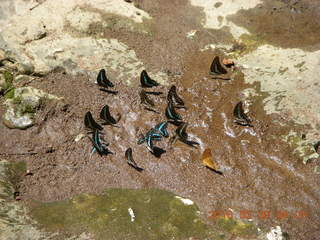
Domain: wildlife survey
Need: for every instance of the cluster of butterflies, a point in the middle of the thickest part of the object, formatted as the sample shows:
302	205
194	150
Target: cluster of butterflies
160	130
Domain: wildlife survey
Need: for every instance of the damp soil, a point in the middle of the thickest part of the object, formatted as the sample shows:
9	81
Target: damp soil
283	23
260	171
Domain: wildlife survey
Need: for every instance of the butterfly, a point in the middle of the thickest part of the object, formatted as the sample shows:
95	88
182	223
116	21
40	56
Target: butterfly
207	161
240	117
130	161
146	81
89	122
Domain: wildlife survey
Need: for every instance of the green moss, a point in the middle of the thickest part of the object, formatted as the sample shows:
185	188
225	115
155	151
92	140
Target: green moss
158	215
14	172
8	82
237	228
8	77
247	44
7	189
9	94
27	108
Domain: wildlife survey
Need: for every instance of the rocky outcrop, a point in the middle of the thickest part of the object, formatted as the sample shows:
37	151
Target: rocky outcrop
22	106
73	39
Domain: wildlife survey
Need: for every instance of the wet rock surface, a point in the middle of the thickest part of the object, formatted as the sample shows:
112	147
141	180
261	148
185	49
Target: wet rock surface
268	167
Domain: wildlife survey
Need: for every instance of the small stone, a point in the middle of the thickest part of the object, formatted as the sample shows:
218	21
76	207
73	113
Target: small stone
131	213
21	108
218	4
191	34
25	68
79	137
275	234
20	78
13	120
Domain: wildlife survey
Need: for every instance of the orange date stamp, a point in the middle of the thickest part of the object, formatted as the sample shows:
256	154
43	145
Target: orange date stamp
261	214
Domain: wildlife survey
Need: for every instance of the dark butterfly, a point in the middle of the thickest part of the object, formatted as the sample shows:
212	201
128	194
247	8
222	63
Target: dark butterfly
106	116
130	160
98	146
171	113
147	102
182	135
174	98
216	67
90	123
145	99
146	81
150	135
240	117
102	79
162	128
104	82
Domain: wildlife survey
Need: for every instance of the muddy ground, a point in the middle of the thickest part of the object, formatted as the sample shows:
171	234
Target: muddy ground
260	172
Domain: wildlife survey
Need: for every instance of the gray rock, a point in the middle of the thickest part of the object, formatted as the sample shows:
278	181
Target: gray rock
17	119
22	107
71	37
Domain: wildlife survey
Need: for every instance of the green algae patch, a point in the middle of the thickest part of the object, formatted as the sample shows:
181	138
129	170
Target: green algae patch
155	214
8	77
6	83
246	44
236	227
9	94
11	174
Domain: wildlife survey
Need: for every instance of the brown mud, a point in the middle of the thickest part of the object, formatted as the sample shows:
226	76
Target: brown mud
260	172
286	23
